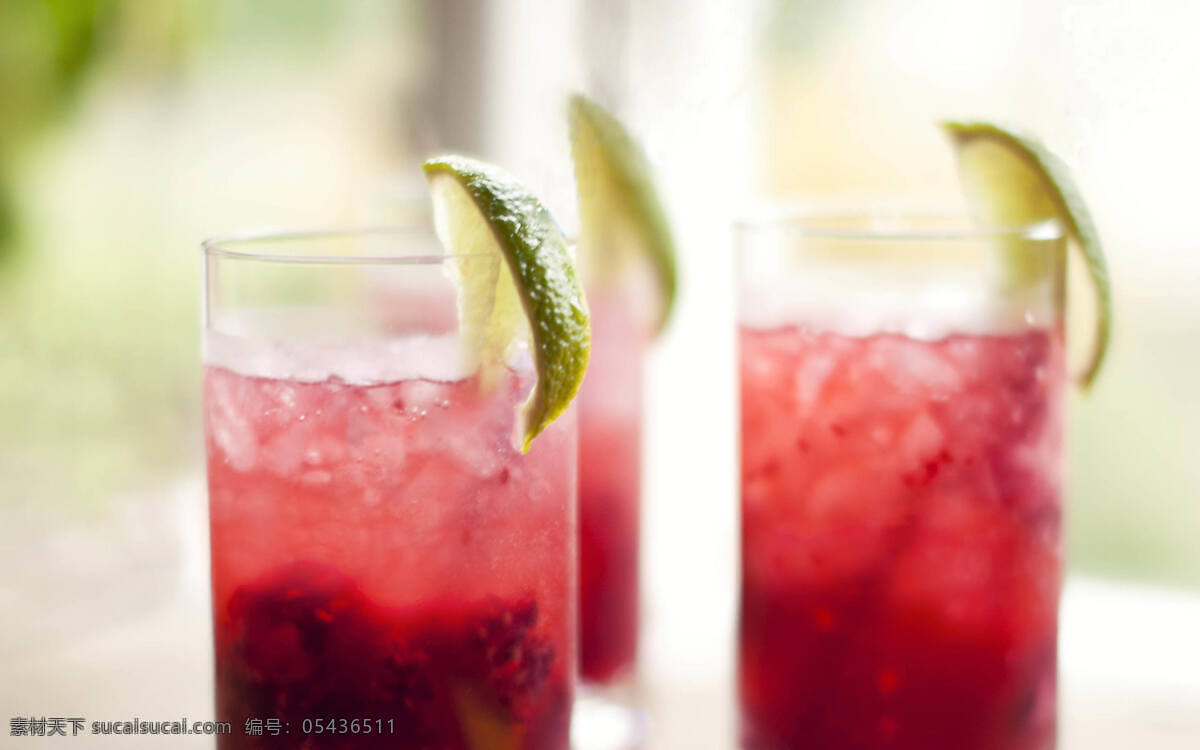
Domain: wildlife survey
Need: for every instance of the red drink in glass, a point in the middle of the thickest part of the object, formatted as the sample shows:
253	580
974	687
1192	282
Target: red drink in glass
901	514
610	407
388	570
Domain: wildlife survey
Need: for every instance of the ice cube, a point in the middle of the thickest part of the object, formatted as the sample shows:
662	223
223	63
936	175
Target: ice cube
426	500
921	450
383	451
418	397
283	454
480	453
950	569
230	426
811	375
236	439
845	522
916	367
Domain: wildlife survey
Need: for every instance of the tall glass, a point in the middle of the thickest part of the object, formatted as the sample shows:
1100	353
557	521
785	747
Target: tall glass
608	714
387	570
902	386
610	472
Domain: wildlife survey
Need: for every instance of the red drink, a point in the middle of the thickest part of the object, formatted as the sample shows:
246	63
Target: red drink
900	535
610	405
381	552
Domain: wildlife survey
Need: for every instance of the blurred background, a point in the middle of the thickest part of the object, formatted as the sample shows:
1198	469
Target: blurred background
131	130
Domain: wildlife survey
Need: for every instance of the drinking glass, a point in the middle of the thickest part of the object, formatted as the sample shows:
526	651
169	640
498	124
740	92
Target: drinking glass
902	383
609	716
387	569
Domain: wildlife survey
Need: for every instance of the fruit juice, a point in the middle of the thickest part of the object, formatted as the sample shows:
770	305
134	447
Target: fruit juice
381	552
901	538
610	406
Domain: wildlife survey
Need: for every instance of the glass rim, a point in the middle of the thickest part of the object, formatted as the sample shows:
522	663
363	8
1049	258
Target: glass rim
895	223
241	246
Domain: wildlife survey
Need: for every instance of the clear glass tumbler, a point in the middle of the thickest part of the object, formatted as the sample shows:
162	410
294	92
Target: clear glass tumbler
387	570
610	474
902	382
608	712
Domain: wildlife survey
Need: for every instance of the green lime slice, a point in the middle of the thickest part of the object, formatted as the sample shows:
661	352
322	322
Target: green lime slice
621	217
514	273
1014	180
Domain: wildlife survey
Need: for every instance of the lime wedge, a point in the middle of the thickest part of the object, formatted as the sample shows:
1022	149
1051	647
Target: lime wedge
1013	180
621	217
514	275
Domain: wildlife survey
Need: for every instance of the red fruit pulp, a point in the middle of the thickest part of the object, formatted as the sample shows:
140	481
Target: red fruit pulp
609	493
382	552
900	540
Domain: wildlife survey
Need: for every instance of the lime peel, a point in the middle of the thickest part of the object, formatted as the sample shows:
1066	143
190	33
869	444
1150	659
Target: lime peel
621	215
1013	179
514	273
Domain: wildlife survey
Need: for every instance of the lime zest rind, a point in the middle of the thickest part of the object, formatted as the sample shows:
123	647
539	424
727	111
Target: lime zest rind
627	166
535	253
1072	211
